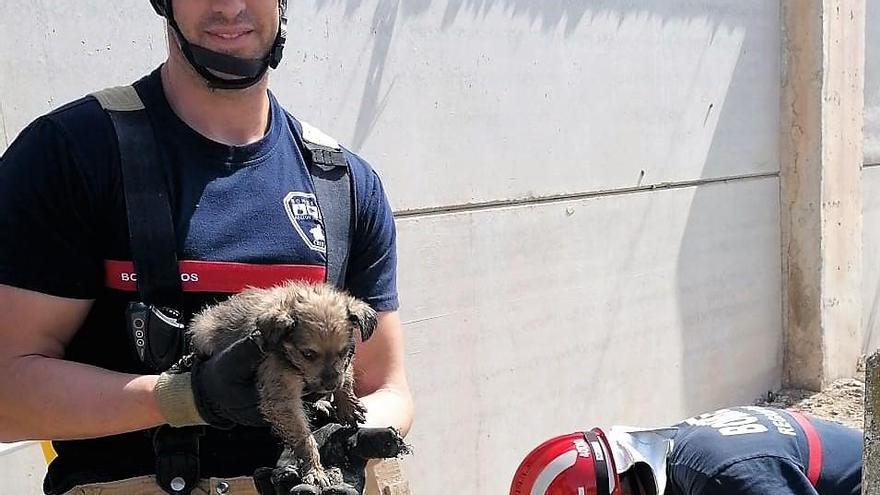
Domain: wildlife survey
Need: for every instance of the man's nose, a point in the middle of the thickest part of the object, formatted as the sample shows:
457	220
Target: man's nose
228	9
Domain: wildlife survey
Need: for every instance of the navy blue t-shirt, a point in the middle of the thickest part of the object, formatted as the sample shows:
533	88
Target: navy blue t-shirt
760	451
244	215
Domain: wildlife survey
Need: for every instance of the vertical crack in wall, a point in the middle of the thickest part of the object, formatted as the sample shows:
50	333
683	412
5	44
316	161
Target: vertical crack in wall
3	132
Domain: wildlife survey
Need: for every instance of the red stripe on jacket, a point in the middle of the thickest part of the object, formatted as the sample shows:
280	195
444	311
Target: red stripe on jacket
216	276
814	445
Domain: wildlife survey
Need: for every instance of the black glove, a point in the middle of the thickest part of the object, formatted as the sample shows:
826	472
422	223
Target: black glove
223	384
219	390
345	448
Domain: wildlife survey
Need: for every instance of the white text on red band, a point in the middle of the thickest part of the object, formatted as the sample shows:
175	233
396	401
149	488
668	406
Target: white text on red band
184	277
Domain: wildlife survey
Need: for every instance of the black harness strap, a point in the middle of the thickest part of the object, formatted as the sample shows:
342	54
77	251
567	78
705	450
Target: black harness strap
150	224
331	177
156	337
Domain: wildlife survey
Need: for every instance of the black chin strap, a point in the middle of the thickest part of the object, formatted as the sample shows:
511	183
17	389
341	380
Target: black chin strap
244	67
600	461
245	71
204	61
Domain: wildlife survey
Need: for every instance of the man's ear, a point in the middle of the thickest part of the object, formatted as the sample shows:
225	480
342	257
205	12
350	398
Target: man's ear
364	318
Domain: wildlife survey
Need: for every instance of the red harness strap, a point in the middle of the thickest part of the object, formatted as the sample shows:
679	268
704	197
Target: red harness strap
814	445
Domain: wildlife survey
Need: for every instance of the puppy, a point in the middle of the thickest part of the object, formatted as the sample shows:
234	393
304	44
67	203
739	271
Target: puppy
308	337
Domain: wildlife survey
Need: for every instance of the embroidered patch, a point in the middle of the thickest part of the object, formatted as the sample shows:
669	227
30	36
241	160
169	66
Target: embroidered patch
302	210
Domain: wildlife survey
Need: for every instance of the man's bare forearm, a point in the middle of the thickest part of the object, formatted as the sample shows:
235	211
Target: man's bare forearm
48	398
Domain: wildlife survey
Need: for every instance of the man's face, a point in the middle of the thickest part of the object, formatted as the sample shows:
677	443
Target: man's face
242	28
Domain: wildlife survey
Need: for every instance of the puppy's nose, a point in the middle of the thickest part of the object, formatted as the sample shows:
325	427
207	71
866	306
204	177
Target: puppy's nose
329	376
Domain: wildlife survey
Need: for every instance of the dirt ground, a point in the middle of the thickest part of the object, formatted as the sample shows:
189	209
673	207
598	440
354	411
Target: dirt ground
841	402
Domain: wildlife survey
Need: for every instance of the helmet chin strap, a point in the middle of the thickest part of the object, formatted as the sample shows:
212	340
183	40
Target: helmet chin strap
241	72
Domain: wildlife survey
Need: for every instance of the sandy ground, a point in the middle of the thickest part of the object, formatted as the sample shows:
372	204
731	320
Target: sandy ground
841	402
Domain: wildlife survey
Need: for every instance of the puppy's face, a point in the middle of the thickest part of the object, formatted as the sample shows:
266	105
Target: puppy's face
319	354
313	328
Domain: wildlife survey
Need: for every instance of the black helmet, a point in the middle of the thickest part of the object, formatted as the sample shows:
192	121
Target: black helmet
247	71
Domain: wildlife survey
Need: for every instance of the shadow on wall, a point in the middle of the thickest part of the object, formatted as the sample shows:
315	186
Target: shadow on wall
551	15
729	267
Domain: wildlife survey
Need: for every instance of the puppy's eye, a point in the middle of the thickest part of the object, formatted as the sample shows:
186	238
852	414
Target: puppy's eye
309	355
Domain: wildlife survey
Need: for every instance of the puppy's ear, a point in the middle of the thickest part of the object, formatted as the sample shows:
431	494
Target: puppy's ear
363	317
274	323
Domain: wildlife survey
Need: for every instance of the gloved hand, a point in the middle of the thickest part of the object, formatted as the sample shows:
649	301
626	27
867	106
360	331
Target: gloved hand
218	391
345	448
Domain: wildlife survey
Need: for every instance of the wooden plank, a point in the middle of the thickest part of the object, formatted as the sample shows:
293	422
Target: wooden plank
386	477
871	455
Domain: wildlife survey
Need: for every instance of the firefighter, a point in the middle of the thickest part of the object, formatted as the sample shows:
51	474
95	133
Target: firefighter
733	451
78	367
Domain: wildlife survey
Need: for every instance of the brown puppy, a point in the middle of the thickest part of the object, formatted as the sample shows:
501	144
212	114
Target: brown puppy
308	337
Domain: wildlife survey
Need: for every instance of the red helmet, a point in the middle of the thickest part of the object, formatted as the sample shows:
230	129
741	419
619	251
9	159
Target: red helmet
573	464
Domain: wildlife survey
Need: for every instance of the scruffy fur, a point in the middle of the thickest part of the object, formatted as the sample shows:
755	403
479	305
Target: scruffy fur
308	335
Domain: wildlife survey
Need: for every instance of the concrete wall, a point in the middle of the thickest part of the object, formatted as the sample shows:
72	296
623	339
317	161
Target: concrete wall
22	467
588	195
624	308
871	184
871	260
872	83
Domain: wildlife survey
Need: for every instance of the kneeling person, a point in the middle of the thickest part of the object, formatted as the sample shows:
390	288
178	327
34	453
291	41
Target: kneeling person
734	451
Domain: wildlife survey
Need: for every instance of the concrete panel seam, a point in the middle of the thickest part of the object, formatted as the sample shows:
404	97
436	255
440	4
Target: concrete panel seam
561	198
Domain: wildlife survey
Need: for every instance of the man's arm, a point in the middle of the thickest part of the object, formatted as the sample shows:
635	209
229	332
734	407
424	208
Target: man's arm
44	397
380	376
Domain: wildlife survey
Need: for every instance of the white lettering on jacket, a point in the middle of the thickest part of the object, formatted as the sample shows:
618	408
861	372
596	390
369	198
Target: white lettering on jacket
729	422
184	277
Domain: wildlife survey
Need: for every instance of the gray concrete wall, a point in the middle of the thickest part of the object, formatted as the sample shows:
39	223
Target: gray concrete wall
871	259
22	467
632	308
470	101
872	84
588	195
871	184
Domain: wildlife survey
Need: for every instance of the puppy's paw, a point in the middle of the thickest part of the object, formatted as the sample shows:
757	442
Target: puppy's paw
351	412
316	476
323	410
334	474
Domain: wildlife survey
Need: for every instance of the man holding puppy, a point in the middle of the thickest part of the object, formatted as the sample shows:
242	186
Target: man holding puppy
245	213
